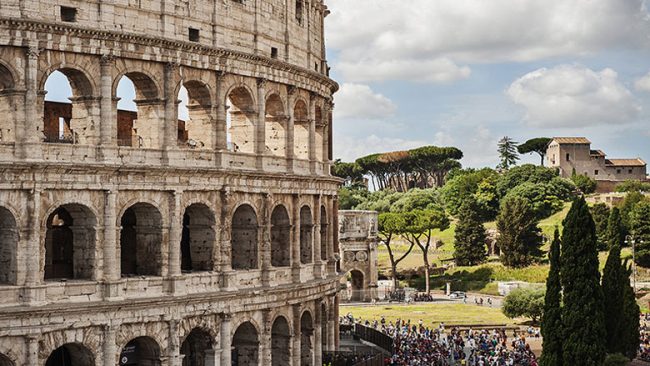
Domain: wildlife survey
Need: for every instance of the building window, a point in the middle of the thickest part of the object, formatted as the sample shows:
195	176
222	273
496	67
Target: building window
194	35
596	172
68	14
618	171
299	11
629	171
274	52
568	157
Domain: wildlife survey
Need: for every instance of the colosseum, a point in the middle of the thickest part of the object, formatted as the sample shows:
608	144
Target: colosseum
147	236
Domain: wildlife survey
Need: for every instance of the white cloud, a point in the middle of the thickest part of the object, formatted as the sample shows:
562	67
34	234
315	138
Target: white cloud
573	96
359	101
434	41
643	84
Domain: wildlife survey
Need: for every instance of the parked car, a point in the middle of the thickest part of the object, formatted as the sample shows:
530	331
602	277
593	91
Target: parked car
457	295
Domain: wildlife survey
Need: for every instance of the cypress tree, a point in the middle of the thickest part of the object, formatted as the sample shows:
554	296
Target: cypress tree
582	313
552	319
615	229
631	313
613	287
519	237
469	239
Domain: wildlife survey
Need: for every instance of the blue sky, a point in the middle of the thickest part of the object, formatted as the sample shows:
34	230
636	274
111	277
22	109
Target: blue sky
467	72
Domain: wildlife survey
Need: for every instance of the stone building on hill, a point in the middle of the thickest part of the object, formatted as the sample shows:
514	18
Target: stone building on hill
138	238
574	154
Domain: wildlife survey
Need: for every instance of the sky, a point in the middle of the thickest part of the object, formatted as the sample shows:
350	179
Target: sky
465	73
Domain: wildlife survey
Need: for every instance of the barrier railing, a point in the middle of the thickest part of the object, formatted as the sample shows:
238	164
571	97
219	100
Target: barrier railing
352	359
374	336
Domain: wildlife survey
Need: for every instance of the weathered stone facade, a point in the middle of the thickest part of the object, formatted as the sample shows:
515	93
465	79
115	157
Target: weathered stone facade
358	251
163	243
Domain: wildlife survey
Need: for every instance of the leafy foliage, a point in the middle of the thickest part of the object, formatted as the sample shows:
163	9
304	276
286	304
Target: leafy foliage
629	202
583	312
522	174
552	320
640	226
585	184
537	145
524	302
519	237
350	197
543	197
508	156
615	229
472	184
600	213
633	186
351	172
613	287
631	313
470	236
616	359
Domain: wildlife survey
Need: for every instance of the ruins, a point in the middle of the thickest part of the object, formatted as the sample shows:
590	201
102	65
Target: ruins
142	237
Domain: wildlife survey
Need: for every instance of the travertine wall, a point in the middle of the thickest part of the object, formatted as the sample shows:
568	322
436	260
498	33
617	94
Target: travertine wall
125	243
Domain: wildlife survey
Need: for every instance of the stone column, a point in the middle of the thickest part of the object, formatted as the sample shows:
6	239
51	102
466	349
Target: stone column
32	148
32	350
295	240
170	140
175	234
260	126
290	144
265	247
326	136
109	347
337	335
332	323
265	339
318	334
224	240
316	247
312	133
226	340
33	276
111	269
108	123
295	356
221	142
335	237
175	358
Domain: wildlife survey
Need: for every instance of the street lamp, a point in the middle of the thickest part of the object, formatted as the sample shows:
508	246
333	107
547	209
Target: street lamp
630	239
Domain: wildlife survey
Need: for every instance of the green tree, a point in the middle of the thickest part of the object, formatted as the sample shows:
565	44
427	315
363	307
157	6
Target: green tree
613	285
629	202
585	184
351	172
633	186
418	231
582	313
350	197
391	225
543	200
537	145
470	236
631	313
600	213
522	174
519	237
640	228
524	302
464	184
507	149
416	199
615	229
552	320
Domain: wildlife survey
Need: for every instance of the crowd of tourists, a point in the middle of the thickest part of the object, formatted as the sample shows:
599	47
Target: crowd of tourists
416	344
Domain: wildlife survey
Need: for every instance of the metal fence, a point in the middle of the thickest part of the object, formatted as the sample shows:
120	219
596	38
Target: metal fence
352	359
374	336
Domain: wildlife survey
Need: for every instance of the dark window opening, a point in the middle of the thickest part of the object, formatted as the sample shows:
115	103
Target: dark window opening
595	172
274	52
629	171
68	14
568	157
618	171
194	35
299	11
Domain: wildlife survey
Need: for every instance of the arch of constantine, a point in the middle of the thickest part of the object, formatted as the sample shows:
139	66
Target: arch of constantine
148	237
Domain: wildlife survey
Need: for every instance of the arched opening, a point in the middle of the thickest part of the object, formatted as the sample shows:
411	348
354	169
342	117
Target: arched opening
306	339
8	100
320	133
8	248
280	341
197	349
141	351
5	361
301	130
241	114
245	346
198	239
70	243
306	239
140	112
195	125
141	241
71	354
323	326
324	233
70	112
280	237
356	283
276	121
244	238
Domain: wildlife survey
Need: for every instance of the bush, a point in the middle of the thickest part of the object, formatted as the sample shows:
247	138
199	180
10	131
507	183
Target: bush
616	359
524	302
633	186
585	184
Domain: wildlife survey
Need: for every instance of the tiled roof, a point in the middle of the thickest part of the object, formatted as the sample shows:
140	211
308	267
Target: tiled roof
597	153
571	140
625	162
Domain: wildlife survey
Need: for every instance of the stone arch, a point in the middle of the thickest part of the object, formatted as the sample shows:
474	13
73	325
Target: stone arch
74	121
8	99
301	129
9	236
5	361
276	125
245	345
197	348
280	237
306	237
324	233
71	354
306	339
241	117
199	131
357	282
198	238
141	241
244	238
70	243
280	342
144	127
141	351
8	76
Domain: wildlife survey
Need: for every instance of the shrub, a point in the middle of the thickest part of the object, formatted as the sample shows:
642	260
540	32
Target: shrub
616	359
526	302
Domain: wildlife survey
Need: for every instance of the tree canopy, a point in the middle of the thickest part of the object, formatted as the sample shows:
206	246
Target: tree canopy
537	145
508	156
